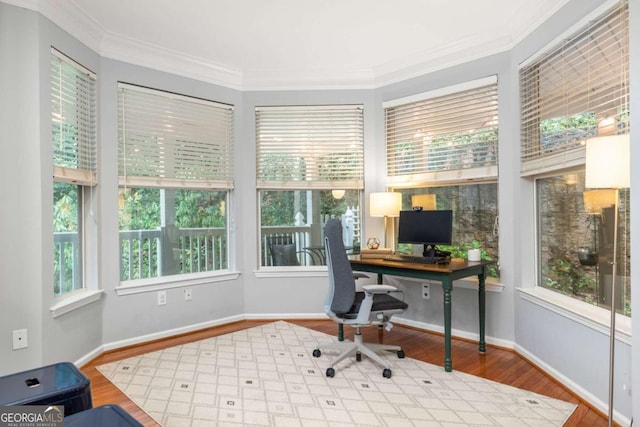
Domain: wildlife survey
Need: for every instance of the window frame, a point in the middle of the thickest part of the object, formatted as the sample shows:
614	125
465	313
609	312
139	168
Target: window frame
74	104
436	106
314	138
201	158
572	158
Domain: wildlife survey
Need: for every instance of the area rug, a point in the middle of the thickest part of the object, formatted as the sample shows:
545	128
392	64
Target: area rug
267	376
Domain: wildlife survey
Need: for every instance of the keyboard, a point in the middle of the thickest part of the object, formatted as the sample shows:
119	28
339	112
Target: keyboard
417	259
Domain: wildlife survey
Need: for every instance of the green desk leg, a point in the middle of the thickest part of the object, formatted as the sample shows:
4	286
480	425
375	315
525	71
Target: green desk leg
340	332
446	286
481	310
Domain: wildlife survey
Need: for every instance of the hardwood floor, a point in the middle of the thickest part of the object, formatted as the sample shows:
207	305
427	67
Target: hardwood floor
497	364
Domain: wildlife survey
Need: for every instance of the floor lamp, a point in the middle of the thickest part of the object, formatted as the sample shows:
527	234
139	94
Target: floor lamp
607	166
385	204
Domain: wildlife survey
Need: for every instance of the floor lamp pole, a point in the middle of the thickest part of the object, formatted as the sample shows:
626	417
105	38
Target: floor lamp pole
612	333
385	231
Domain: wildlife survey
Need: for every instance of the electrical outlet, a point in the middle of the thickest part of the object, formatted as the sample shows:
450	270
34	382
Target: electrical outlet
426	290
162	297
187	294
20	339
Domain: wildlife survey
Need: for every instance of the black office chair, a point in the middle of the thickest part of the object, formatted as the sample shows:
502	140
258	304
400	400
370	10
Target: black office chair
344	305
283	251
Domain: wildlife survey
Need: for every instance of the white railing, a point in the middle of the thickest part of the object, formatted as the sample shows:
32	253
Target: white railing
167	251
67	268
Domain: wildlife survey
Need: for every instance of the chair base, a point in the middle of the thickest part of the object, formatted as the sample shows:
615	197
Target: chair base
358	347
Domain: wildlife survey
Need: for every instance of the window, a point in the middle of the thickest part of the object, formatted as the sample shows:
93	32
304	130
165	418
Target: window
570	92
442	154
310	169
175	167
73	121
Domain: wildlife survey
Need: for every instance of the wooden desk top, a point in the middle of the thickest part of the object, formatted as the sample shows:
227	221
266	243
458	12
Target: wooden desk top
452	267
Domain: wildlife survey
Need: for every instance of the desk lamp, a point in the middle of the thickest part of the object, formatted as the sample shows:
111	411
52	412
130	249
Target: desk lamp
425	201
607	166
385	204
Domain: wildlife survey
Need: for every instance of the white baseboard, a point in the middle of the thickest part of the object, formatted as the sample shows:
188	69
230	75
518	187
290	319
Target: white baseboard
575	388
456	333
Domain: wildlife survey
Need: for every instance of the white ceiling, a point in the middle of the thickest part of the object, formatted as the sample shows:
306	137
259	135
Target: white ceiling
271	44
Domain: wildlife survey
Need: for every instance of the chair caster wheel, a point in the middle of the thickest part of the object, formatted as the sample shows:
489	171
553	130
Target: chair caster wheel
400	354
316	353
358	357
331	372
386	373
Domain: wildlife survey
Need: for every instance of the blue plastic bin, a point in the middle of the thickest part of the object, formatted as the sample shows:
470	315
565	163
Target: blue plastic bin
58	384
102	416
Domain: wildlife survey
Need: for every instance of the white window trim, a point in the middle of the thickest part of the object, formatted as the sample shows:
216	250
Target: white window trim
74	301
487	174
132	287
291	271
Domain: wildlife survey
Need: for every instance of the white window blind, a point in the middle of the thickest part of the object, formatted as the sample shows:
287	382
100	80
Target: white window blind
574	91
446	136
310	147
173	141
73	119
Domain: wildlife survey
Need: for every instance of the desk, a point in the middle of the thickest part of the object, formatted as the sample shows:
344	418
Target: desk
444	273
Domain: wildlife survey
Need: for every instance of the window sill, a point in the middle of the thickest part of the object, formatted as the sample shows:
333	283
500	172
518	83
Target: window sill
75	301
319	271
589	315
177	281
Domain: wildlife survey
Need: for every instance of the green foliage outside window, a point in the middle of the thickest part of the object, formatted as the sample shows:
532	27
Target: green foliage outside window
192	237
67	269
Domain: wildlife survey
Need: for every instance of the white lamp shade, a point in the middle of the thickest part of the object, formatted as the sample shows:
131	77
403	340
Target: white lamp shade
385	204
607	162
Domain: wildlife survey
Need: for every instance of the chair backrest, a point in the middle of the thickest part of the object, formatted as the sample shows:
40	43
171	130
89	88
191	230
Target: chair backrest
283	251
342	284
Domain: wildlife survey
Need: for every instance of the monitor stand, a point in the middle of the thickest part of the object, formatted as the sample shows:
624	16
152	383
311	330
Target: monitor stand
433	255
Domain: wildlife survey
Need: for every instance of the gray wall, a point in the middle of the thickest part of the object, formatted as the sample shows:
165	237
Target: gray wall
21	223
573	351
27	194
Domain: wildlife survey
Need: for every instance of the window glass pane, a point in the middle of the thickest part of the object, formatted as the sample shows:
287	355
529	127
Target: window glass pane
67	256
575	241
165	232
292	224
475	218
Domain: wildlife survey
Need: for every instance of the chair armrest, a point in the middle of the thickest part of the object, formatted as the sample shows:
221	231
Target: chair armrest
357	275
378	289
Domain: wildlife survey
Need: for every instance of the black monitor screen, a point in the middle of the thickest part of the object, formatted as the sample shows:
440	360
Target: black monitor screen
425	227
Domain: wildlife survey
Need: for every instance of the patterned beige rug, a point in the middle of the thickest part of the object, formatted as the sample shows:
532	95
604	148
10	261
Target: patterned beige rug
266	376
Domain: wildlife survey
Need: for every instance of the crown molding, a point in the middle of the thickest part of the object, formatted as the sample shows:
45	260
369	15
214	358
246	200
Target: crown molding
68	16
158	58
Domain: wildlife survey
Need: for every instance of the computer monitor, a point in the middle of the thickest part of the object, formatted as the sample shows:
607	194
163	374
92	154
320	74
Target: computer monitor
428	228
